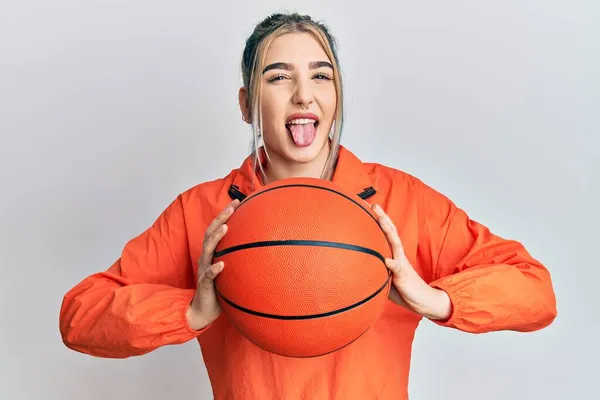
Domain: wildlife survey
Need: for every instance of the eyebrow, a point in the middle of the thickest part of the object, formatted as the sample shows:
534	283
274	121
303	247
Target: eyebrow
290	67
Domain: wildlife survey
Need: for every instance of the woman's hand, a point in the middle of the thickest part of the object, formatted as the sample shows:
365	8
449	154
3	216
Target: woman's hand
205	308
408	288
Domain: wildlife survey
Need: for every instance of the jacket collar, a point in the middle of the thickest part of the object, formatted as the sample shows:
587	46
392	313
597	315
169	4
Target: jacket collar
349	173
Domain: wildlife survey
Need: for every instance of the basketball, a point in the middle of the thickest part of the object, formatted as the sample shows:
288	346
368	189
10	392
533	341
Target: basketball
304	268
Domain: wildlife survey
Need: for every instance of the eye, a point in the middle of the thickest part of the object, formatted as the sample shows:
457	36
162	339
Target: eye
278	77
323	77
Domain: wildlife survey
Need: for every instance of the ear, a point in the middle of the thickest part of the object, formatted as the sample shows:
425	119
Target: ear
244	105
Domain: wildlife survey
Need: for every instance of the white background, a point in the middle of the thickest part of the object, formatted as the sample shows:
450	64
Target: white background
109	109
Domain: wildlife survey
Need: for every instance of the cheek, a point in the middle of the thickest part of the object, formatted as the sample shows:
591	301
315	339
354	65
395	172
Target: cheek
272	113
329	96
272	103
269	111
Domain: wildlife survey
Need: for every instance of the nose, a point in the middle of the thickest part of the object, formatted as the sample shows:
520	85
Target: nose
303	95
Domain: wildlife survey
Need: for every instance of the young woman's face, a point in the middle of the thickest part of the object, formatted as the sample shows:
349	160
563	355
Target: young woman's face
298	98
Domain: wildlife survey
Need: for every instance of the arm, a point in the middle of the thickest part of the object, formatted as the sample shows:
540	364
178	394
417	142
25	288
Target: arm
492	283
140	302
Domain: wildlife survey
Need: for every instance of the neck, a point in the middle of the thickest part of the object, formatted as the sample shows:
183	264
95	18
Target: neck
280	168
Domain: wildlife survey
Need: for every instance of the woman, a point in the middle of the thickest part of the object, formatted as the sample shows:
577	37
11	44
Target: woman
446	267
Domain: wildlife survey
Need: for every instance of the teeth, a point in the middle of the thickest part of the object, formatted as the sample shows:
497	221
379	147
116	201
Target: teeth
302	121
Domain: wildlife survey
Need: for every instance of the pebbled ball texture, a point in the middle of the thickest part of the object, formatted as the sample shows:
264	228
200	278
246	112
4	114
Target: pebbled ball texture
304	272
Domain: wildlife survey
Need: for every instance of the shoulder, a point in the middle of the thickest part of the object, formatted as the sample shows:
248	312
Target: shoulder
206	190
402	186
385	176
201	200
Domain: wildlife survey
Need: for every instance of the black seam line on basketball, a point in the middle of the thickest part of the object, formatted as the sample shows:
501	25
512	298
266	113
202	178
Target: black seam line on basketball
247	199
235	193
310	316
309	243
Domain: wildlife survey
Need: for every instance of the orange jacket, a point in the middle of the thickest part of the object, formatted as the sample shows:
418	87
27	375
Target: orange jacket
140	302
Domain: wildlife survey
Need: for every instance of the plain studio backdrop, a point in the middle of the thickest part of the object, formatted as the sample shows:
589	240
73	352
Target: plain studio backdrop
110	109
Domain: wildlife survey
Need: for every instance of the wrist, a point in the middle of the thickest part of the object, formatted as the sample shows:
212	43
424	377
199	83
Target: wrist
441	305
195	319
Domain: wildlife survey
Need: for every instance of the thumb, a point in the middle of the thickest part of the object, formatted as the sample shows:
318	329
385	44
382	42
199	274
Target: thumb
206	283
393	265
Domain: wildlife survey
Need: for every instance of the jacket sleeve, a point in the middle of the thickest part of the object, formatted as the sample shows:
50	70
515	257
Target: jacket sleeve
140	302
493	283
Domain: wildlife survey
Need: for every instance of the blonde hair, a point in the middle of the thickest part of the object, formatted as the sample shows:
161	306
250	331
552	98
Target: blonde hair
253	61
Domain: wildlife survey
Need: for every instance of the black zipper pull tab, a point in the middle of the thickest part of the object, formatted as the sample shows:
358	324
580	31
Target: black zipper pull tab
368	192
235	193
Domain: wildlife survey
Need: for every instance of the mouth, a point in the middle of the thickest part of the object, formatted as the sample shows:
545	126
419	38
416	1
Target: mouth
302	128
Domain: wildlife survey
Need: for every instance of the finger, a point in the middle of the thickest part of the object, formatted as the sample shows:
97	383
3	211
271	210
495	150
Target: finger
221	218
393	265
397	248
209	276
383	217
390	230
211	244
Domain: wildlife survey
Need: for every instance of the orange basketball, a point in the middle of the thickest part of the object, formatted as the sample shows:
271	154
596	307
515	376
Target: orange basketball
304	267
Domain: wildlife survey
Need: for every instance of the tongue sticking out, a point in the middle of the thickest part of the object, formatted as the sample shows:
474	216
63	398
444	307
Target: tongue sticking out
303	134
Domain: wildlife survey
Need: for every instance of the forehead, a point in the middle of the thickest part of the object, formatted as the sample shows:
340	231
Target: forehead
295	48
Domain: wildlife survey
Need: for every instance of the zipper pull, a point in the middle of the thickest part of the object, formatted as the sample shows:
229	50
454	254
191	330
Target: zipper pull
368	192
235	193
